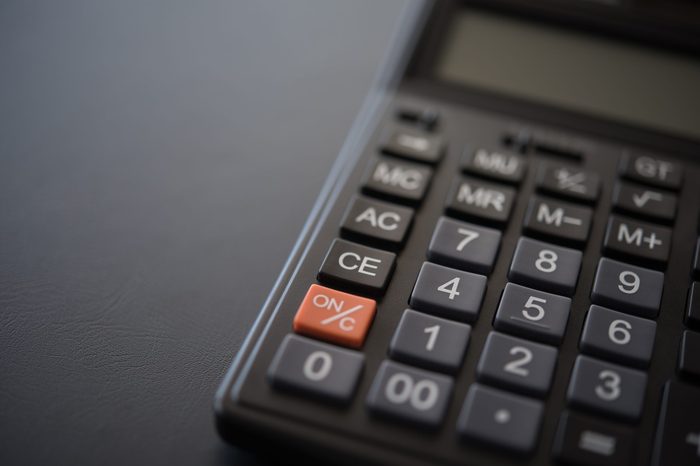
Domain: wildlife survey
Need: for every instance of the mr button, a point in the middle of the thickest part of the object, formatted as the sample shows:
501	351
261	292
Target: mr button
471	198
357	267
335	316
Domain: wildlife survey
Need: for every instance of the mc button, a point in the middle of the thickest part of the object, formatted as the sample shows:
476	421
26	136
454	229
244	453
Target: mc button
357	267
398	181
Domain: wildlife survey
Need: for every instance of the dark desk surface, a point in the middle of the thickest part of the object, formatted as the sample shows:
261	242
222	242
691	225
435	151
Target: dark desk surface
157	161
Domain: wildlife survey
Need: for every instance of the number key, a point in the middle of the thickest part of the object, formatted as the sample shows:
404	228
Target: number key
545	266
617	336
464	246
517	364
607	388
429	341
320	369
410	394
500	419
448	292
629	288
532	314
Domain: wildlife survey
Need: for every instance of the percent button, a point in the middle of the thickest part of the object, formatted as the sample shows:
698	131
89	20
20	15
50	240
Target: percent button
334	316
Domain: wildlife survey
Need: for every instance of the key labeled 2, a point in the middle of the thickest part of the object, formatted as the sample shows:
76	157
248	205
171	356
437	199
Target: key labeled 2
447	292
517	364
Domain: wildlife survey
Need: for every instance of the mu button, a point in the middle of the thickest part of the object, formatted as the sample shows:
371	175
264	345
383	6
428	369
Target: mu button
335	316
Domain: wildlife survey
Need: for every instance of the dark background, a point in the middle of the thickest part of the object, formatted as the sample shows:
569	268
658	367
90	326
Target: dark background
157	161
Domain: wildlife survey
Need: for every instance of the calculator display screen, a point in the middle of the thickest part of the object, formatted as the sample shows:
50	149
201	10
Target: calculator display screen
594	75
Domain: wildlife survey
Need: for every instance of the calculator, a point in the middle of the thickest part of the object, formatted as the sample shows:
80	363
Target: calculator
503	267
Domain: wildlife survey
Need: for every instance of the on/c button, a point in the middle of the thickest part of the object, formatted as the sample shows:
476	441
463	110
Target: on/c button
357	267
334	316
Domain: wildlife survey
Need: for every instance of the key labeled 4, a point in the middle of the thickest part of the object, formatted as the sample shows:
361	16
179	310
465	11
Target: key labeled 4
334	316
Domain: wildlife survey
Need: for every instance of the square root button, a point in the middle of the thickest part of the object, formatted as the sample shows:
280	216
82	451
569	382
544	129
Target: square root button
334	316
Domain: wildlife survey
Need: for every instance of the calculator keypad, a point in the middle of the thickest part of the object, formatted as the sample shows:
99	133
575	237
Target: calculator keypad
434	325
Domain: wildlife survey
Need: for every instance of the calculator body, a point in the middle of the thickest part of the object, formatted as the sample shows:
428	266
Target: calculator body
252	411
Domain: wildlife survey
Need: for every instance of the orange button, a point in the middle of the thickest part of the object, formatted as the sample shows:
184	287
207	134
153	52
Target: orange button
335	316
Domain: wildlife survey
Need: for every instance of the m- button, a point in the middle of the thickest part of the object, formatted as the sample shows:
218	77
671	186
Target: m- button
631	239
357	267
334	316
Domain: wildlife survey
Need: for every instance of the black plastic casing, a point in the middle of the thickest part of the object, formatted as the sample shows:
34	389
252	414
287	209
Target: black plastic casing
251	414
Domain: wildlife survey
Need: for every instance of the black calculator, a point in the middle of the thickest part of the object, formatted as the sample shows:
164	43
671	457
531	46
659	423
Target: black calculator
503	267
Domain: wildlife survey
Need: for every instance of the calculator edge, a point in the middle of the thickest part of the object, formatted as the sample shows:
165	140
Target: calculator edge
250	427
